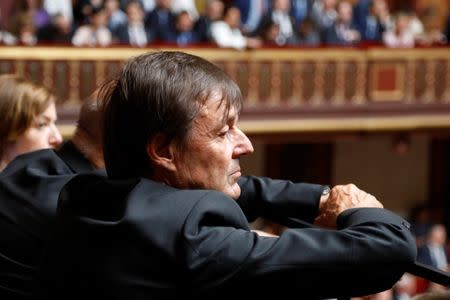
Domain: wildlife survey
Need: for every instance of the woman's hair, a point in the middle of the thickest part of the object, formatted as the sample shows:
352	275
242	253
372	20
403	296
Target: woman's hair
21	102
157	93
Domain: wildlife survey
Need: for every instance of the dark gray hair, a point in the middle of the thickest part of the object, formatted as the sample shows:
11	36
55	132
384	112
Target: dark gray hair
157	93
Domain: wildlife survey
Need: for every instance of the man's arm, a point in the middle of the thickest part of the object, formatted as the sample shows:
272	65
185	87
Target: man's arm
279	200
299	204
368	253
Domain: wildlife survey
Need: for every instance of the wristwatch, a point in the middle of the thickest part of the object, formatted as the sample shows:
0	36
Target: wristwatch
326	190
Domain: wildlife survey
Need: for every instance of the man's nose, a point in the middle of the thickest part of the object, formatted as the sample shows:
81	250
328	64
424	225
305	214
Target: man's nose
243	144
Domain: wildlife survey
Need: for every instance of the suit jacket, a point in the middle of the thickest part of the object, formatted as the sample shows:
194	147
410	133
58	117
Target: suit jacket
123	34
139	239
29	189
371	32
181	38
159	21
332	37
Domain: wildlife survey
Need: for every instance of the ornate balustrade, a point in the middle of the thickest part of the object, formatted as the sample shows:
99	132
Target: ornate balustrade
285	90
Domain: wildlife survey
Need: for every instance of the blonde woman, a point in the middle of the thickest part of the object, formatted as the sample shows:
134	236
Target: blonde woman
28	117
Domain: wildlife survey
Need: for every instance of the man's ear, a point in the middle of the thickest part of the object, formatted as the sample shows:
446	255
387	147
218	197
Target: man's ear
160	152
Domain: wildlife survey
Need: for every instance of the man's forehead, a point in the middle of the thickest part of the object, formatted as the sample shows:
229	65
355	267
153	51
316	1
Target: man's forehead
217	108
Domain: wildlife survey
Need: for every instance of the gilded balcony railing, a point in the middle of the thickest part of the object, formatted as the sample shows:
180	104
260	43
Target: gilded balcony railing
285	90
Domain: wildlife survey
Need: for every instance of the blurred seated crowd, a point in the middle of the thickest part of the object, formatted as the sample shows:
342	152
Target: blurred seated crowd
239	24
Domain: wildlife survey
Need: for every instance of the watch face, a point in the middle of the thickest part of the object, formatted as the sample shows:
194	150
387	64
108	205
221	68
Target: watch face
326	190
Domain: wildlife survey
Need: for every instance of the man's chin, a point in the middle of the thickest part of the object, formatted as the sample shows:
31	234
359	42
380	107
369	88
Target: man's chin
235	191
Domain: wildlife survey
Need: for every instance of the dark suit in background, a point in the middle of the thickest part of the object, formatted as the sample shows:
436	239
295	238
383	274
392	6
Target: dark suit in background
134	35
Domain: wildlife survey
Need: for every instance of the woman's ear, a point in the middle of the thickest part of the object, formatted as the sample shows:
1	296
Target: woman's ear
160	152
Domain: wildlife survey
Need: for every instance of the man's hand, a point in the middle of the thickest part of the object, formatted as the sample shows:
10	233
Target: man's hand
340	198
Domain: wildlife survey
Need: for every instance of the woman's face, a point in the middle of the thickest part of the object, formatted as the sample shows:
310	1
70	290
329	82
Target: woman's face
42	134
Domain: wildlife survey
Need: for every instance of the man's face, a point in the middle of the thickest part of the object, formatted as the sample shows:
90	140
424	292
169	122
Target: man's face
211	158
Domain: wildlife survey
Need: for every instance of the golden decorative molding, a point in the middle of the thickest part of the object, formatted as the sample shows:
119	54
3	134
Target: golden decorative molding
297	98
276	83
358	124
319	82
410	87
446	95
339	90
361	82
74	82
430	80
253	84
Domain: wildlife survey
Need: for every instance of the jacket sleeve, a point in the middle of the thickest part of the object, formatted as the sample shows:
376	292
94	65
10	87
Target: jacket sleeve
279	200
368	254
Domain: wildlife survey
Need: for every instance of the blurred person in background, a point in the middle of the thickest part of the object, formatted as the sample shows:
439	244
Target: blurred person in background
269	33
343	32
23	30
183	33
188	6
28	118
226	33
301	10
432	33
281	15
63	7
83	9
434	252
252	12
133	32
399	36
95	33
35	9
59	30
324	14
306	34
116	16
160	20
384	14
213	12
370	27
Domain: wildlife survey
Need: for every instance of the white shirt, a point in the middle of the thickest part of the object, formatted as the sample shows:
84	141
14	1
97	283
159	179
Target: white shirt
63	7
87	36
225	36
137	35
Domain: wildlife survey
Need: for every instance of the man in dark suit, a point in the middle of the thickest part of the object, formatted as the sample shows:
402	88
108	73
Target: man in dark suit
369	25
160	19
434	251
133	32
342	32
29	189
173	218
183	33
